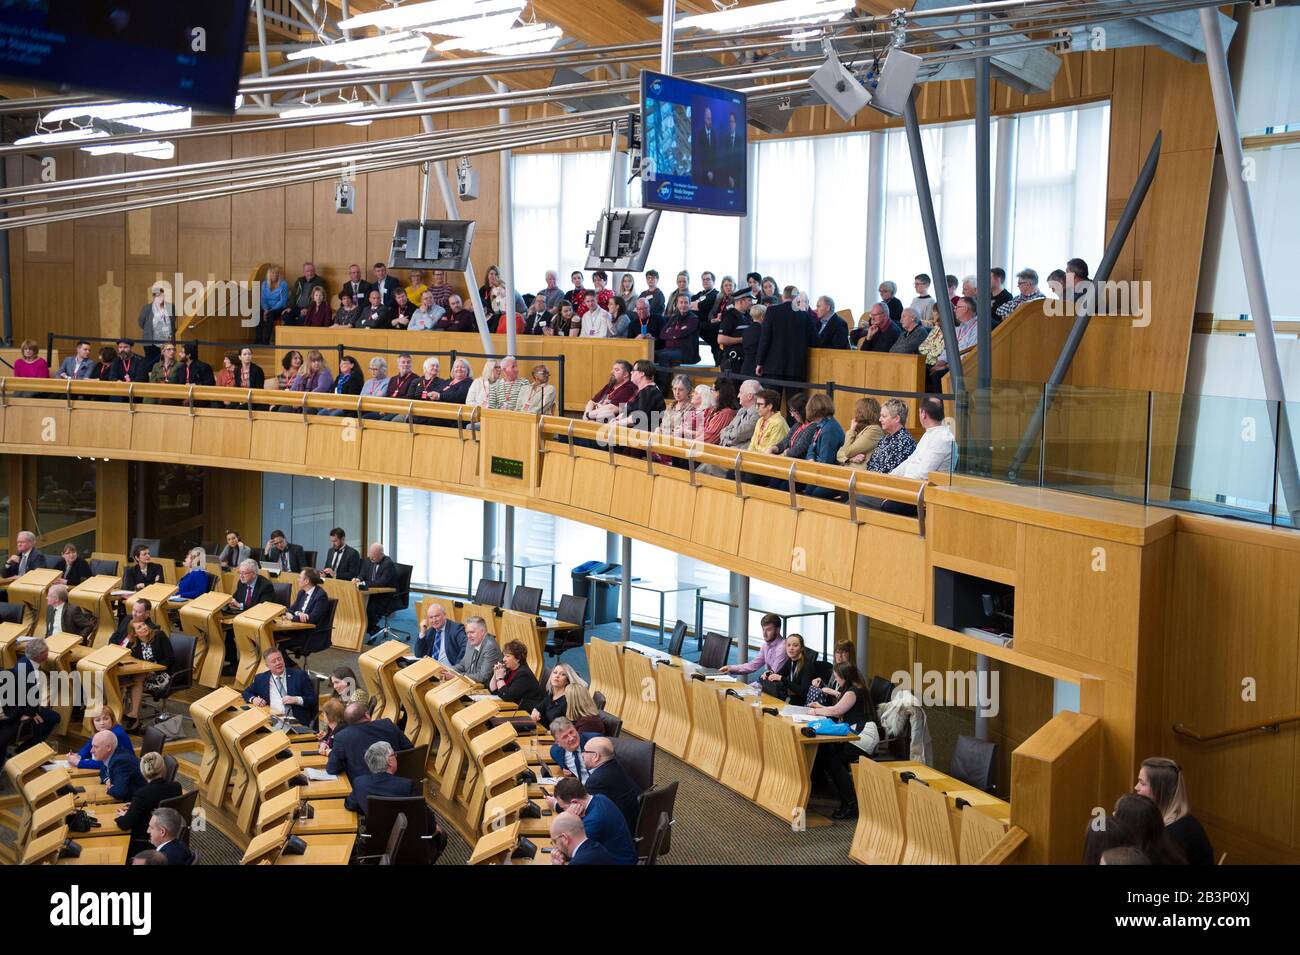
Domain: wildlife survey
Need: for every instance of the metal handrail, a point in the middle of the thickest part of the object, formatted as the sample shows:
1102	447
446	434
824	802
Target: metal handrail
1272	725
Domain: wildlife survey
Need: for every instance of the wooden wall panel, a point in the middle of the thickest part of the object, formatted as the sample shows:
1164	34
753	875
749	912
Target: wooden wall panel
257	219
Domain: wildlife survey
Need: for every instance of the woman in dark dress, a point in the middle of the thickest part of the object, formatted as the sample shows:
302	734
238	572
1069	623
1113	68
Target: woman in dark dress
854	708
134	817
75	568
1161	781
513	680
554	701
141	573
796	674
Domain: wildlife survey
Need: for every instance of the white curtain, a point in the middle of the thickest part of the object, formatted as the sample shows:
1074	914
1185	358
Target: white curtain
810	226
555	207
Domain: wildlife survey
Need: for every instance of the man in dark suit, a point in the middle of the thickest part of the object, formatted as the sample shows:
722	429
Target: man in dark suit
377	570
881	330
601	819
385	284
280	551
704	152
358	286
571	845
189	370
381	780
312	605
128	366
290	691
787	335
342	562
374	314
165	827
356	736
252	588
566	751
119	769
832	331
24	716
731	162
63	617
27	556
608	778
440	638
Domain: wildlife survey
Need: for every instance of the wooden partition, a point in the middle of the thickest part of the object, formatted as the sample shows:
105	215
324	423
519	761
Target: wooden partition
1054	788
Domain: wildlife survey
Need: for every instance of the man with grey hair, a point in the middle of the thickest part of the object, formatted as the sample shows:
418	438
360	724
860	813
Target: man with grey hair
165	827
1027	284
740	430
63	617
377	570
913	334
970	286
26	557
481	651
552	295
25	714
382	780
504	393
426	317
881	330
832	331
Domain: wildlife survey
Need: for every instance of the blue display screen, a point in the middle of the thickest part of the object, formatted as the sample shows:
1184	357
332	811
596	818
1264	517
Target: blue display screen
694	154
167	51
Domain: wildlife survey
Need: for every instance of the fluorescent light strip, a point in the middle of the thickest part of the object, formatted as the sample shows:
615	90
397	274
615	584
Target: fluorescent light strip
782	11
534	38
360	49
441	12
328	109
110	111
61	136
153	150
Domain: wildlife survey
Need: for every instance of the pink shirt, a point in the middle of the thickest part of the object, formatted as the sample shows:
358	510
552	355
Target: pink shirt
770	654
31	369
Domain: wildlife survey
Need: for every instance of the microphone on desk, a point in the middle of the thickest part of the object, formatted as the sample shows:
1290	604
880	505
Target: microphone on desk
961	803
526	849
294	846
70	849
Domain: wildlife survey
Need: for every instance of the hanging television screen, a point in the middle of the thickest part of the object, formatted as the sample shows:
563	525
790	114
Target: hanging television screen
694	152
170	51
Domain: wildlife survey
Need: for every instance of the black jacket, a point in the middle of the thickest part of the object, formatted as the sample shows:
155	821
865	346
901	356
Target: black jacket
610	779
296	557
523	690
133	366
349	562
132	578
834	335
317	611
261	592
77	574
783	345
378	784
143	803
192	373
793	687
351	742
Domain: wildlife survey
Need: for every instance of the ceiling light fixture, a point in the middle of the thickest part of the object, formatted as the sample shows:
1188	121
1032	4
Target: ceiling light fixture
329	109
763	14
442	14
96	122
388	51
533	38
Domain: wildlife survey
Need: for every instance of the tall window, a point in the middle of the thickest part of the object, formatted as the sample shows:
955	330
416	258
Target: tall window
556	205
810	224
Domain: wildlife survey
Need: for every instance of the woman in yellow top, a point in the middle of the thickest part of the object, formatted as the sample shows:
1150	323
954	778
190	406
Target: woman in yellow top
864	434
771	426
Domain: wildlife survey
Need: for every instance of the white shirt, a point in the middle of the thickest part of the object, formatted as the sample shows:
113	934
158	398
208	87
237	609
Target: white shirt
936	451
58	619
595	323
279	688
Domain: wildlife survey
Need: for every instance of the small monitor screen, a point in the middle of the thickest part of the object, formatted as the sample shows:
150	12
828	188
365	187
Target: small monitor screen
695	157
172	51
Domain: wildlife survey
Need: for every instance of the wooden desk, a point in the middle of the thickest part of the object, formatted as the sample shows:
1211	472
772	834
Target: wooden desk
157	595
203	619
334	848
100	683
254	635
108	850
94	595
786	782
350	614
29	590
378	670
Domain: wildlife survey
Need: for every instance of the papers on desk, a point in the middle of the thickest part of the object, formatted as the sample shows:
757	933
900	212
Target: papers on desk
476	697
178	600
318	775
719	676
548	781
123	593
57	764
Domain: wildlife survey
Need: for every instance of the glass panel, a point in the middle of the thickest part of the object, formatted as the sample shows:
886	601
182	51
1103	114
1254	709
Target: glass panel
1096	442
1287	511
435	532
1011	409
171	506
65	494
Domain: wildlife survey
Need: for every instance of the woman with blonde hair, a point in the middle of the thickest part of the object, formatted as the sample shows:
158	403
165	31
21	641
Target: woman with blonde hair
555	701
864	434
196	582
478	391
134	817
539	396
1161	781
582	710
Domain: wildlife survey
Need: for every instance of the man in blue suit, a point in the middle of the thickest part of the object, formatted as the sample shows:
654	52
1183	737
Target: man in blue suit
353	740
566	751
311	606
610	779
571	845
381	780
440	638
283	690
119	768
601	819
165	827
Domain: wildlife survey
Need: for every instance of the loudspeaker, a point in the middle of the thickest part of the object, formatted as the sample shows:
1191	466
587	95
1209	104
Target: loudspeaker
897	77
345	198
839	89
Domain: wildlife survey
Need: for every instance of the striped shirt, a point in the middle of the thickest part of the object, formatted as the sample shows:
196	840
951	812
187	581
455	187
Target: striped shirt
505	394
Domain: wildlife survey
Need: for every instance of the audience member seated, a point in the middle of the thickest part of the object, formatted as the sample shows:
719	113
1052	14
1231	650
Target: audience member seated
385	284
235	552
134	817
160	372
608	778
1161	781
481	652
582	710
726	403
881	333
26	718
415	287
377	570
279	551
426	317
1027	283
346	688
358	287
283	691
999	294
440	638
864	434
566	751
673	421
189	370
889	298
274	299
252	588
165	827
195	582
601	819
643	411
105	719
303	296
76	367
538	396
646	324
504	392
835	759
376	385
555	701
737	434
795	443
226	376
936	451
1141	817
913	333
401	385
141	612
63	617
102	370
967	328
500	314
682	290
342	561
119	769
146	642
358	733
513	680
480	390
896	444
771	655
128	366
331	718
26	557
831	330
315	377
141	573
349	380
606	404
375	314
679	341
31	364
458	318
923	303
403	310
291	364
770	428
551	296
348	312
570	845
792	681
317	314
702	302
652	293
311	605
380	780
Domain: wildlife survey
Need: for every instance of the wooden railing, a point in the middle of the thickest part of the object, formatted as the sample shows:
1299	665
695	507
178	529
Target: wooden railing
1272	725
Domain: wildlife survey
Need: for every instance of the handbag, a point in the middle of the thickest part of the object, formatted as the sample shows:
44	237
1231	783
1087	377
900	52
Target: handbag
81	821
815	695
